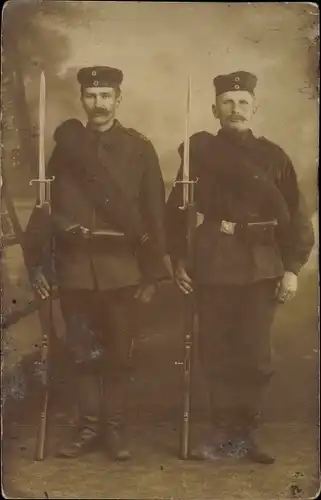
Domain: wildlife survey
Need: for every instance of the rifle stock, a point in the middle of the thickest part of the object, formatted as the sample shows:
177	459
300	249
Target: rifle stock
46	319
44	372
45	311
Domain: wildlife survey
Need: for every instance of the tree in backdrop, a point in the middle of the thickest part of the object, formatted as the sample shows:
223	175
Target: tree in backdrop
34	39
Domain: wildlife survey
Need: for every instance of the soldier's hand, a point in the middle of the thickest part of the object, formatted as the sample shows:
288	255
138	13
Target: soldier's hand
183	281
287	287
168	266
41	285
85	232
79	230
145	293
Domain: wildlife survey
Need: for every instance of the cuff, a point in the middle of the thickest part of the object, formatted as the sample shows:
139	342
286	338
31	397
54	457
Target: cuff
293	267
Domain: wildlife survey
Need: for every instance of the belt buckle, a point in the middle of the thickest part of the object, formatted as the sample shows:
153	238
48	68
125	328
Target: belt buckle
227	227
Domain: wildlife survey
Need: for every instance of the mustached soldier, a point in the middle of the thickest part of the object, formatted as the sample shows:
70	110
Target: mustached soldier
108	203
254	239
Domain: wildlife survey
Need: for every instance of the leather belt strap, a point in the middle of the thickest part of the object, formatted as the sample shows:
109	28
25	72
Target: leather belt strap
229	228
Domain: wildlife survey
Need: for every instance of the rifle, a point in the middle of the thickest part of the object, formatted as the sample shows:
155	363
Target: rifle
191	216
46	306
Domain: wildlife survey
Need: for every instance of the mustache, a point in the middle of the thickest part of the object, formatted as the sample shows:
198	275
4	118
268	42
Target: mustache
237	118
99	111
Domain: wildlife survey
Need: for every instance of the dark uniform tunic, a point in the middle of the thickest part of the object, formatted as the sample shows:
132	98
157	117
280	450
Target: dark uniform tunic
104	263
241	179
98	277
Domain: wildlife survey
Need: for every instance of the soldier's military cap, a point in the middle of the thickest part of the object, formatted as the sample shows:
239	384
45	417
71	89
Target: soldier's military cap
100	76
239	80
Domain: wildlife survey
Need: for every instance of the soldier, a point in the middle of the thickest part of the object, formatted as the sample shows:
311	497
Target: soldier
108	202
253	238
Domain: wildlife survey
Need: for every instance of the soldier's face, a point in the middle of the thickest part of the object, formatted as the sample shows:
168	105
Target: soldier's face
235	109
100	103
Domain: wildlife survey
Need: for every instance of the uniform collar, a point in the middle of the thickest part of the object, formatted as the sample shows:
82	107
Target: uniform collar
114	125
108	135
237	138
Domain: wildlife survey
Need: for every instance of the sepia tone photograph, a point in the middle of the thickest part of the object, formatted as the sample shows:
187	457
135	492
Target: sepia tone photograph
159	250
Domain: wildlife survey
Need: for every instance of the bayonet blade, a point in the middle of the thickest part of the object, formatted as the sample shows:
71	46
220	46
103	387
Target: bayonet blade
42	120
186	165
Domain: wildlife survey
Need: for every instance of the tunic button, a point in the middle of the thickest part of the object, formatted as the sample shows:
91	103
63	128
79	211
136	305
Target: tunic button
94	73
236	87
237	78
96	83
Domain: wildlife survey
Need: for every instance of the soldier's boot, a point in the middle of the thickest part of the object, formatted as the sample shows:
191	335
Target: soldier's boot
85	440
88	429
115	393
255	453
117	440
247	442
218	443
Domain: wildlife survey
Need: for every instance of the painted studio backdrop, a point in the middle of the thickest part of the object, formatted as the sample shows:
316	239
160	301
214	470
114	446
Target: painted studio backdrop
157	45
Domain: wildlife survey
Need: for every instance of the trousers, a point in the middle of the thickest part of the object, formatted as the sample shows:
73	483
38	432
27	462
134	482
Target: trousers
234	345
100	328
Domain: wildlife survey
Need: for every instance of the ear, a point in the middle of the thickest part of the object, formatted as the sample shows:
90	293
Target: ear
118	100
214	110
255	106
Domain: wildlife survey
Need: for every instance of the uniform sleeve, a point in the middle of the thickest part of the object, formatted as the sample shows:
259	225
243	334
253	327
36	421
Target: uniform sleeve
296	243
152	195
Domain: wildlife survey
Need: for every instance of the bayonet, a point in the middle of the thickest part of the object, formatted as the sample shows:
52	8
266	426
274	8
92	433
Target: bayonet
42	180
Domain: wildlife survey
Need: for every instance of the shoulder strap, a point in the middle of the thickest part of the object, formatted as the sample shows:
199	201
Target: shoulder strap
135	133
242	174
95	181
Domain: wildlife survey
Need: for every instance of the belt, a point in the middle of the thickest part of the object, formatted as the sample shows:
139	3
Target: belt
84	234
231	228
106	233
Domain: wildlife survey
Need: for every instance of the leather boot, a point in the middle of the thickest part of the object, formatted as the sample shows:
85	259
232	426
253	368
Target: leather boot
115	419
88	395
85	440
116	440
218	443
247	445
